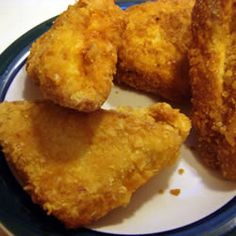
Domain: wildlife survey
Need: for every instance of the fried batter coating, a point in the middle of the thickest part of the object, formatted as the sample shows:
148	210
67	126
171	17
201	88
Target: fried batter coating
74	62
153	52
213	71
80	166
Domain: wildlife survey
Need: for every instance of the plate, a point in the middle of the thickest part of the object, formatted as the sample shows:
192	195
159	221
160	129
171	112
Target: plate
205	206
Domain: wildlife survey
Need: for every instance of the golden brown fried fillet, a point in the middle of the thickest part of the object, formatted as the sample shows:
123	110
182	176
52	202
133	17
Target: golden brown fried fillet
80	166
74	62
153	52
213	71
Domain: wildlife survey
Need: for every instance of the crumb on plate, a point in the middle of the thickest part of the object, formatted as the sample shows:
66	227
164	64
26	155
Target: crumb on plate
175	191
181	171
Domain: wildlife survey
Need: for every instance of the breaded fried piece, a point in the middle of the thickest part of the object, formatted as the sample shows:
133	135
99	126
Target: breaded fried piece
153	53
74	62
213	71
80	166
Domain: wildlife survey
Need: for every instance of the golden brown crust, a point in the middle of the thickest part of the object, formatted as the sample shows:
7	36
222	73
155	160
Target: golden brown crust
212	61
74	62
80	166
153	52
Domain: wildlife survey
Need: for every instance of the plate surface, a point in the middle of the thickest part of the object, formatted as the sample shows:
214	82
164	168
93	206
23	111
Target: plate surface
206	205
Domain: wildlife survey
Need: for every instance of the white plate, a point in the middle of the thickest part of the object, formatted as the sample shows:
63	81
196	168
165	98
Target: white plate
202	191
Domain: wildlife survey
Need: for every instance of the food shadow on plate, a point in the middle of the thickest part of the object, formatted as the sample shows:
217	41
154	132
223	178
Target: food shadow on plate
211	178
144	194
31	91
120	93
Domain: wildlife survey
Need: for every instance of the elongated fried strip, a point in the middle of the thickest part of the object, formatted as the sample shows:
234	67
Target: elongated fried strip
79	166
74	62
213	70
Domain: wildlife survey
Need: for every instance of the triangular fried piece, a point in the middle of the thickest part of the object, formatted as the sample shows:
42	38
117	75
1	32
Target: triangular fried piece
153	51
80	166
74	62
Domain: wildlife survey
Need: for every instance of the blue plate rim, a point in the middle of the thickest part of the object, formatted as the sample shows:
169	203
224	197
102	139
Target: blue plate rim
220	222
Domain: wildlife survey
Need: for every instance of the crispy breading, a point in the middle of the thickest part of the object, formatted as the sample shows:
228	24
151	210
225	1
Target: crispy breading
80	166
213	71
153	52
74	62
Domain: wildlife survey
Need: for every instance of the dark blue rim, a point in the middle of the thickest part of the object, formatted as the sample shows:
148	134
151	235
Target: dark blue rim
221	222
13	68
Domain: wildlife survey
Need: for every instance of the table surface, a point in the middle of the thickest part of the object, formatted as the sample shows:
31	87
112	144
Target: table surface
19	16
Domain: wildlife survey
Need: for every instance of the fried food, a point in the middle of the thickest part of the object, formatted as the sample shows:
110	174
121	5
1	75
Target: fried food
80	166
153	52
213	70
74	62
